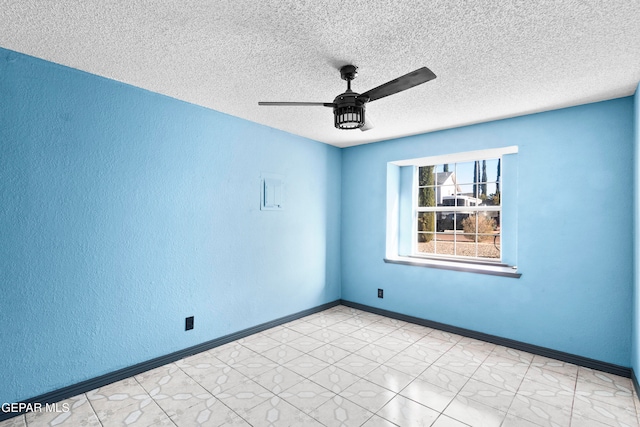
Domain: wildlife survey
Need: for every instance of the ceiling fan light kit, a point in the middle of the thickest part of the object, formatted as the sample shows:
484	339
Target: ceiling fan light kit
348	110
349	116
349	107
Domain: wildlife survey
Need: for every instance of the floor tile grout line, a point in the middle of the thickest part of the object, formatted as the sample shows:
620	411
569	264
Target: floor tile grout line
573	401
513	401
154	401
457	393
533	398
93	409
214	396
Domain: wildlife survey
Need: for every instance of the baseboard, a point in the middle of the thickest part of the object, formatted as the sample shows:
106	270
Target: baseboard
518	345
103	380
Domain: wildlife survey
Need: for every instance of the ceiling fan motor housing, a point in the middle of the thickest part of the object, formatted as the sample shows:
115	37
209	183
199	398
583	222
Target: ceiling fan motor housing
348	111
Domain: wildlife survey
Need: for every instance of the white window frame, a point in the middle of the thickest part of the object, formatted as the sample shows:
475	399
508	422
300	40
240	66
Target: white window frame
467	264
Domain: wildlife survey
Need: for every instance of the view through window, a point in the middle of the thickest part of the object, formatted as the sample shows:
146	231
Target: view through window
457	210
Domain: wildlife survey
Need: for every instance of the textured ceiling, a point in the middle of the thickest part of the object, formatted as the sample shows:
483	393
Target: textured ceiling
494	59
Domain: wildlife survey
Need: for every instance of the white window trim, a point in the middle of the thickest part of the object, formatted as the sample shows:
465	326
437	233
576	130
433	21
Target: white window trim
468	156
470	267
473	265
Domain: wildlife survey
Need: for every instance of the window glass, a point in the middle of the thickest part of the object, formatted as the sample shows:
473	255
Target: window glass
465	172
426	175
458	210
427	196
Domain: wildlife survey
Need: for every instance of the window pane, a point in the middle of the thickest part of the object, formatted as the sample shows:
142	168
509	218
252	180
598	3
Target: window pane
493	195
447	199
426	222
445	178
489	249
445	221
490	170
426	243
445	195
465	246
427	196
495	217
461	219
445	244
426	175
464	173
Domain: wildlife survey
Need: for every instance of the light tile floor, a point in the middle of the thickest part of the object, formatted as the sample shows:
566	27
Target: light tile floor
345	367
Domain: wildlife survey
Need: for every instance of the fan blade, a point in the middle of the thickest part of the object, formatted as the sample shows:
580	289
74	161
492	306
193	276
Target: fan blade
299	104
414	78
367	124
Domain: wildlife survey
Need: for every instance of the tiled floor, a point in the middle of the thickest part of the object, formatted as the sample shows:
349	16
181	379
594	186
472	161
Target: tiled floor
345	367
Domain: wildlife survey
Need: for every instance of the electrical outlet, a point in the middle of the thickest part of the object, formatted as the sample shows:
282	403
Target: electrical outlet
380	293
188	323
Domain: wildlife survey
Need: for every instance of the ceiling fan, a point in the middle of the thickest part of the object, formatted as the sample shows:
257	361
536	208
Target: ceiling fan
349	107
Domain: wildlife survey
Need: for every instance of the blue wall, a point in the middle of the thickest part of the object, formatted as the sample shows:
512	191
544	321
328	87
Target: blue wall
123	212
574	232
635	337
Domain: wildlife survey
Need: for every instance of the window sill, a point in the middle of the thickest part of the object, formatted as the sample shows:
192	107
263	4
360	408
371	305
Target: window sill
469	267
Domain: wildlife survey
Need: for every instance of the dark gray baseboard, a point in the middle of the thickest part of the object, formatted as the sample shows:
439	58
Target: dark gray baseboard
103	380
518	345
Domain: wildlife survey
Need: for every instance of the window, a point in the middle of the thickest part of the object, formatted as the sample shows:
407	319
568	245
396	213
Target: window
457	210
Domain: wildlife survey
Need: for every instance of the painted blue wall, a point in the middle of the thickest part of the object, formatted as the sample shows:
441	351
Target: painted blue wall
123	211
574	233
635	331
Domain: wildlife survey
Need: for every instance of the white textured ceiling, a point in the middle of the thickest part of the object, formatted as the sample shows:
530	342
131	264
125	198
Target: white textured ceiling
494	59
